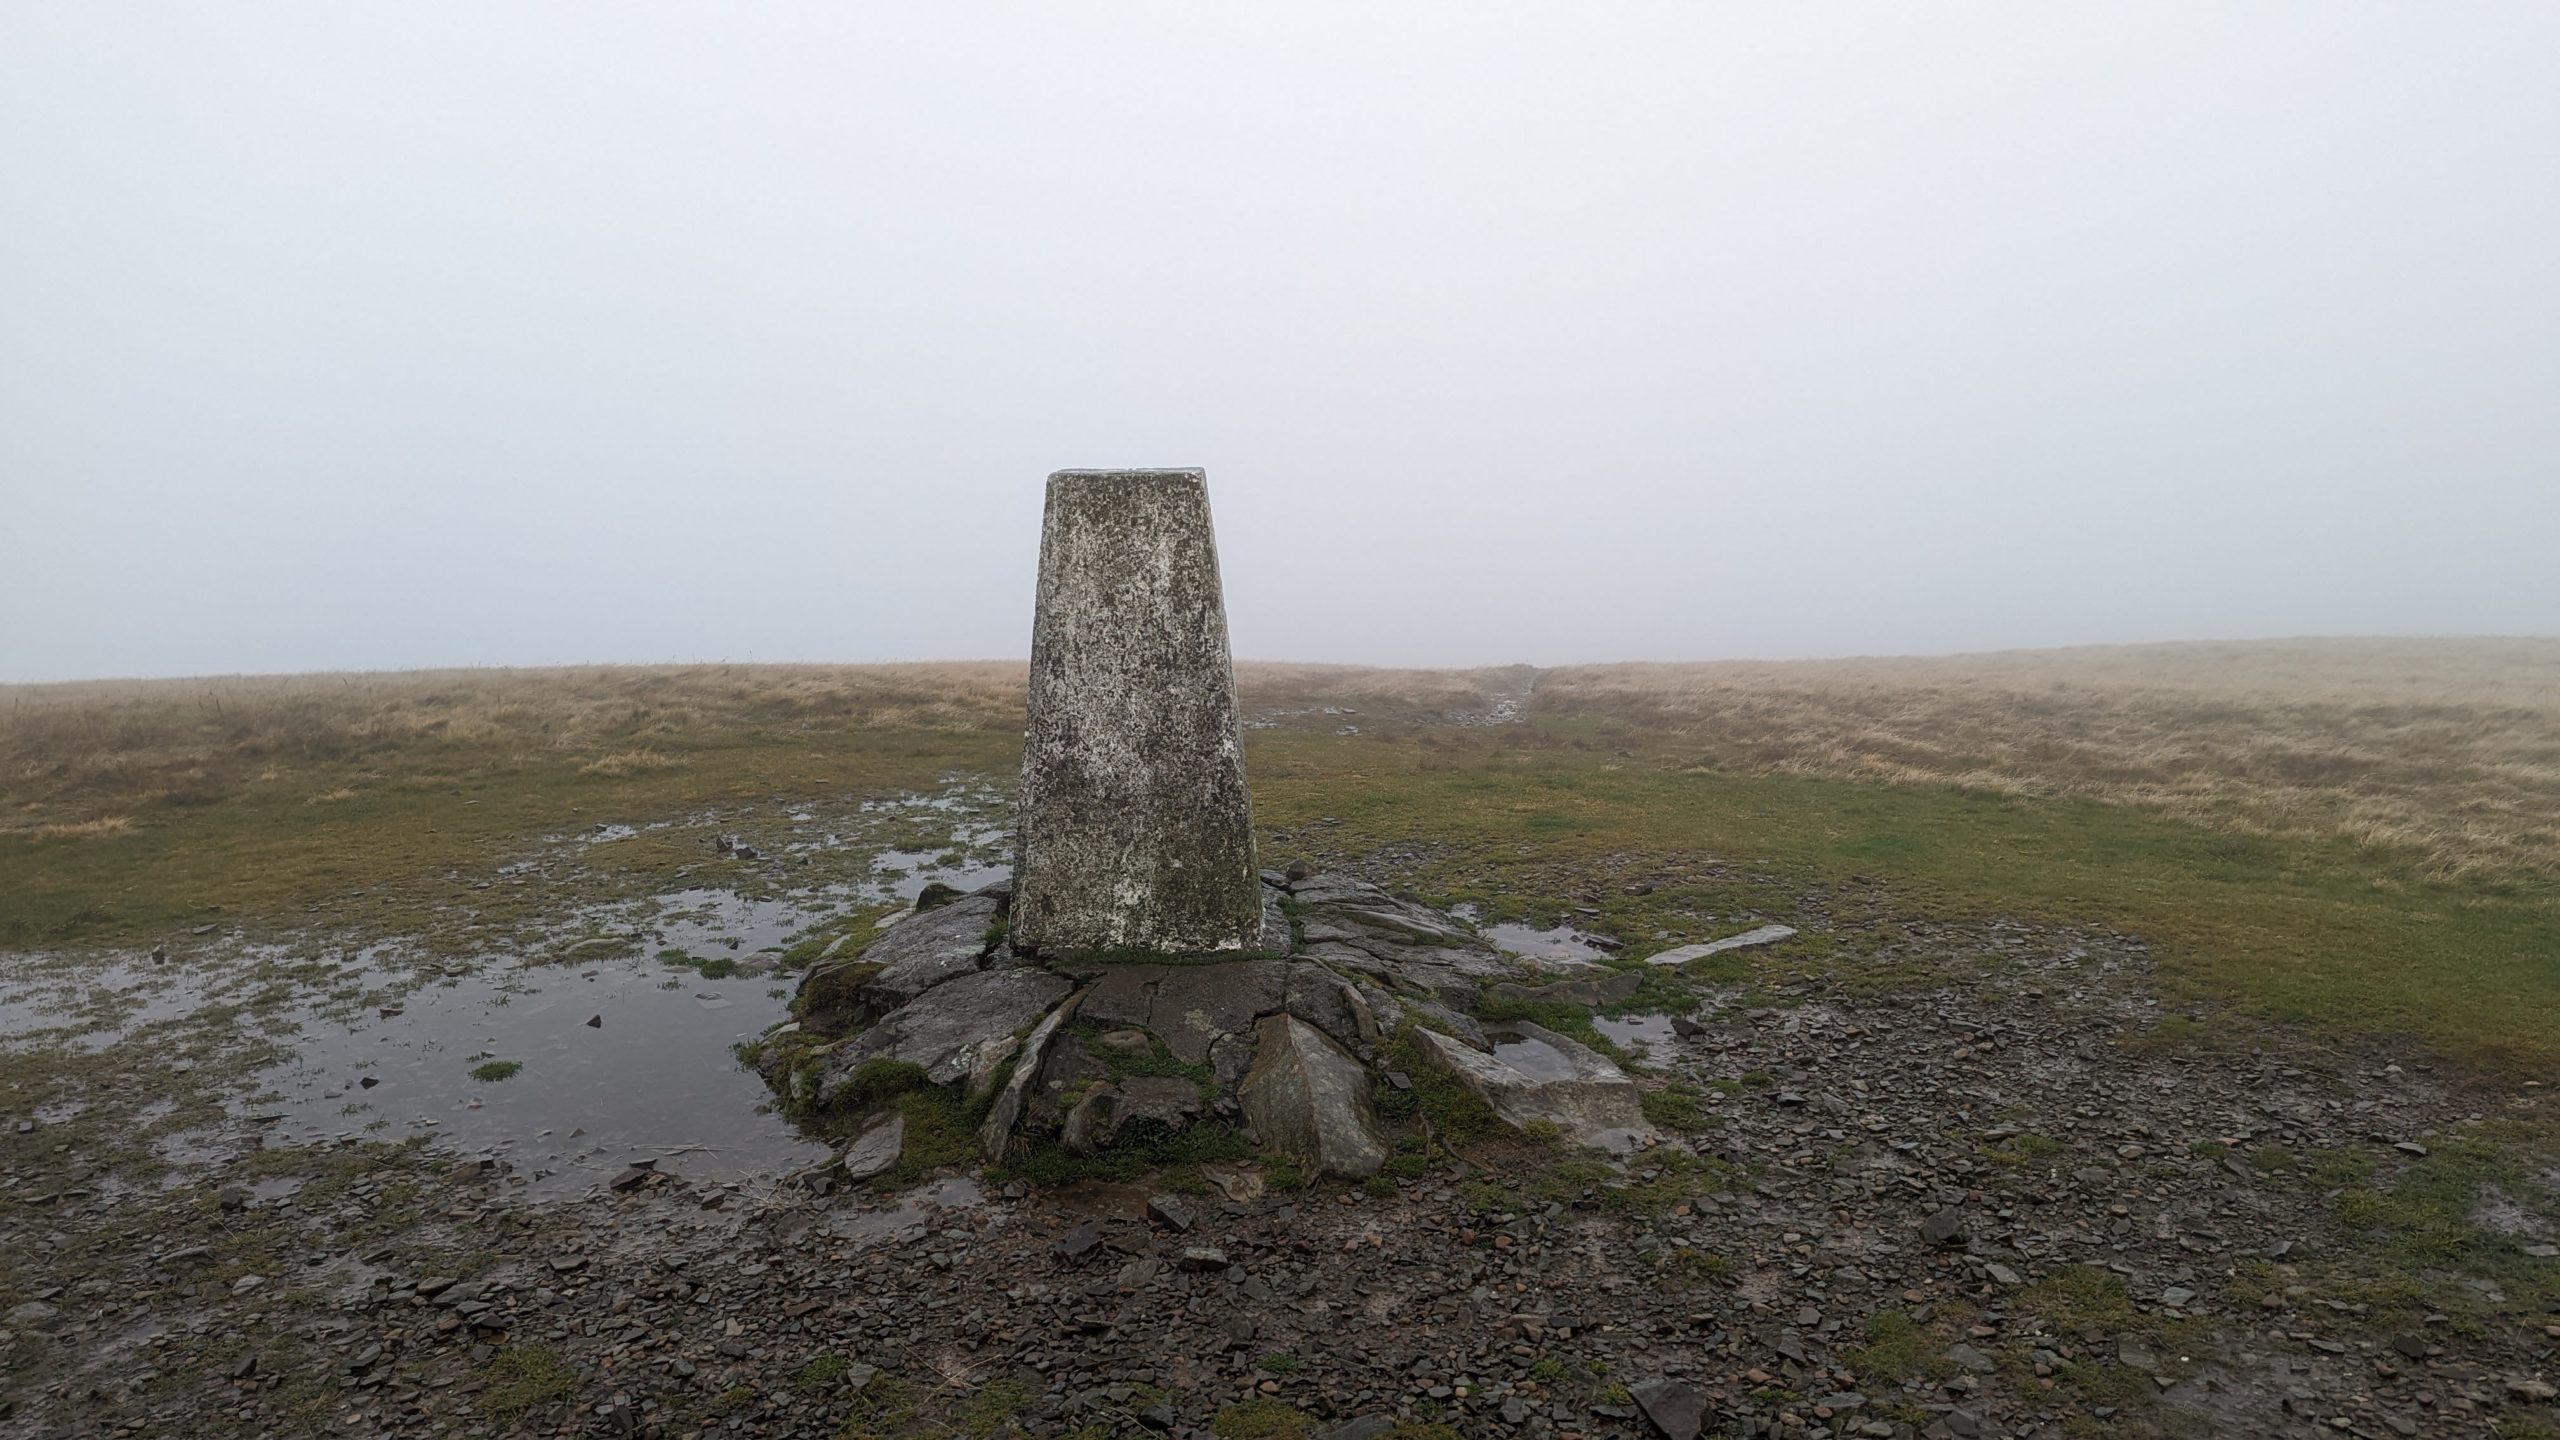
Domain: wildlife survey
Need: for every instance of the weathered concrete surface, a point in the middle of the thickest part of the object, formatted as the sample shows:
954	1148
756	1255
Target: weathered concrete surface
1306	1096
1135	829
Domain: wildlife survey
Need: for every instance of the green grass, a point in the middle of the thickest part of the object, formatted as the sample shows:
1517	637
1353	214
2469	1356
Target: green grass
491	1072
994	1404
1677	1106
2412	1232
2326	934
275	822
522	1377
216	839
1142	1146
1437	1099
820	1372
2022	1149
1899	1348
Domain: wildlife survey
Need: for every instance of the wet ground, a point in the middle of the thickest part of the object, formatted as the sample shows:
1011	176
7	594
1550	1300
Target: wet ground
2000	1203
608	1040
1994	1206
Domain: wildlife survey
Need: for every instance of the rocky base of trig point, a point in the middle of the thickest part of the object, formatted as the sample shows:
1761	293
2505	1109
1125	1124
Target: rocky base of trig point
1285	1049
1138	984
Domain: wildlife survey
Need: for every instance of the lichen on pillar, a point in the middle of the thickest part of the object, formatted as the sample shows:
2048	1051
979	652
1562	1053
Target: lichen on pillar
1136	833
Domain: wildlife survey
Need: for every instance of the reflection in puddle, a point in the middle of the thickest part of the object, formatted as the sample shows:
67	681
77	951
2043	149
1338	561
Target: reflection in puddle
1561	942
905	873
614	1068
1647	1035
623	1057
1534	1058
705	922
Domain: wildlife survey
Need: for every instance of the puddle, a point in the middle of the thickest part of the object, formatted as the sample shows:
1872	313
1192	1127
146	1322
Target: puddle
657	1079
1647	1035
914	1213
88	1005
905	873
1562	942
188	1149
381	1042
1534	1058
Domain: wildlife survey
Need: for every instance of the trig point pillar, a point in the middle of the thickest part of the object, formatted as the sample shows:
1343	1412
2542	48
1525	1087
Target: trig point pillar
1136	832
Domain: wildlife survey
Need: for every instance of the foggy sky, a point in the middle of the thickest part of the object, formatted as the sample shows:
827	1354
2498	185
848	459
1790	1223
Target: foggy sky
358	336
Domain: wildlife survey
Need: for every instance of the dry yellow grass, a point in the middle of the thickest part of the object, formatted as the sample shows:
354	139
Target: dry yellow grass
72	753
2446	748
629	762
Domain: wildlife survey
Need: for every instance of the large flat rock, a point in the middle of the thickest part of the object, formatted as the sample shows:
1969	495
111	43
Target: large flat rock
959	1032
1536	1074
1191	1007
925	950
1136	832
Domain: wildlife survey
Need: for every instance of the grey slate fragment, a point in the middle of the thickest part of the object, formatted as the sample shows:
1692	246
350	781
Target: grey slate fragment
996	1131
1676	1408
1308	1098
1591	1101
1765	935
878	1149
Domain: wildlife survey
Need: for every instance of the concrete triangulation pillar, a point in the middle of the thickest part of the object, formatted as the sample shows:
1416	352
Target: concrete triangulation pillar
1136	831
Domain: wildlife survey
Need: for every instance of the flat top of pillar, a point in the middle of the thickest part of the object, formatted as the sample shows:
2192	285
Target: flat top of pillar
1193	473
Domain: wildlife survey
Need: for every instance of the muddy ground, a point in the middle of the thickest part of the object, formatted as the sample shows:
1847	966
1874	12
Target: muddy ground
2007	1194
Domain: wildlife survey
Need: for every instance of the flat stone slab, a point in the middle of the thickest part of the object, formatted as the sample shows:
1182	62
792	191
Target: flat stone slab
959	1031
1765	935
1191	1007
1536	1074
925	950
1136	832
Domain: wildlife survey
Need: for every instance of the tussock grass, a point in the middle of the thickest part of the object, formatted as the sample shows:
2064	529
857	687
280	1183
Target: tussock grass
2446	749
69	752
629	762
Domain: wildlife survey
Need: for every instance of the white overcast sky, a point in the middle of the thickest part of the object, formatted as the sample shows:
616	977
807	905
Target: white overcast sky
366	336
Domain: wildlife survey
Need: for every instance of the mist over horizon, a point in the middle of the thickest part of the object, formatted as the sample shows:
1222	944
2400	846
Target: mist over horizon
341	340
